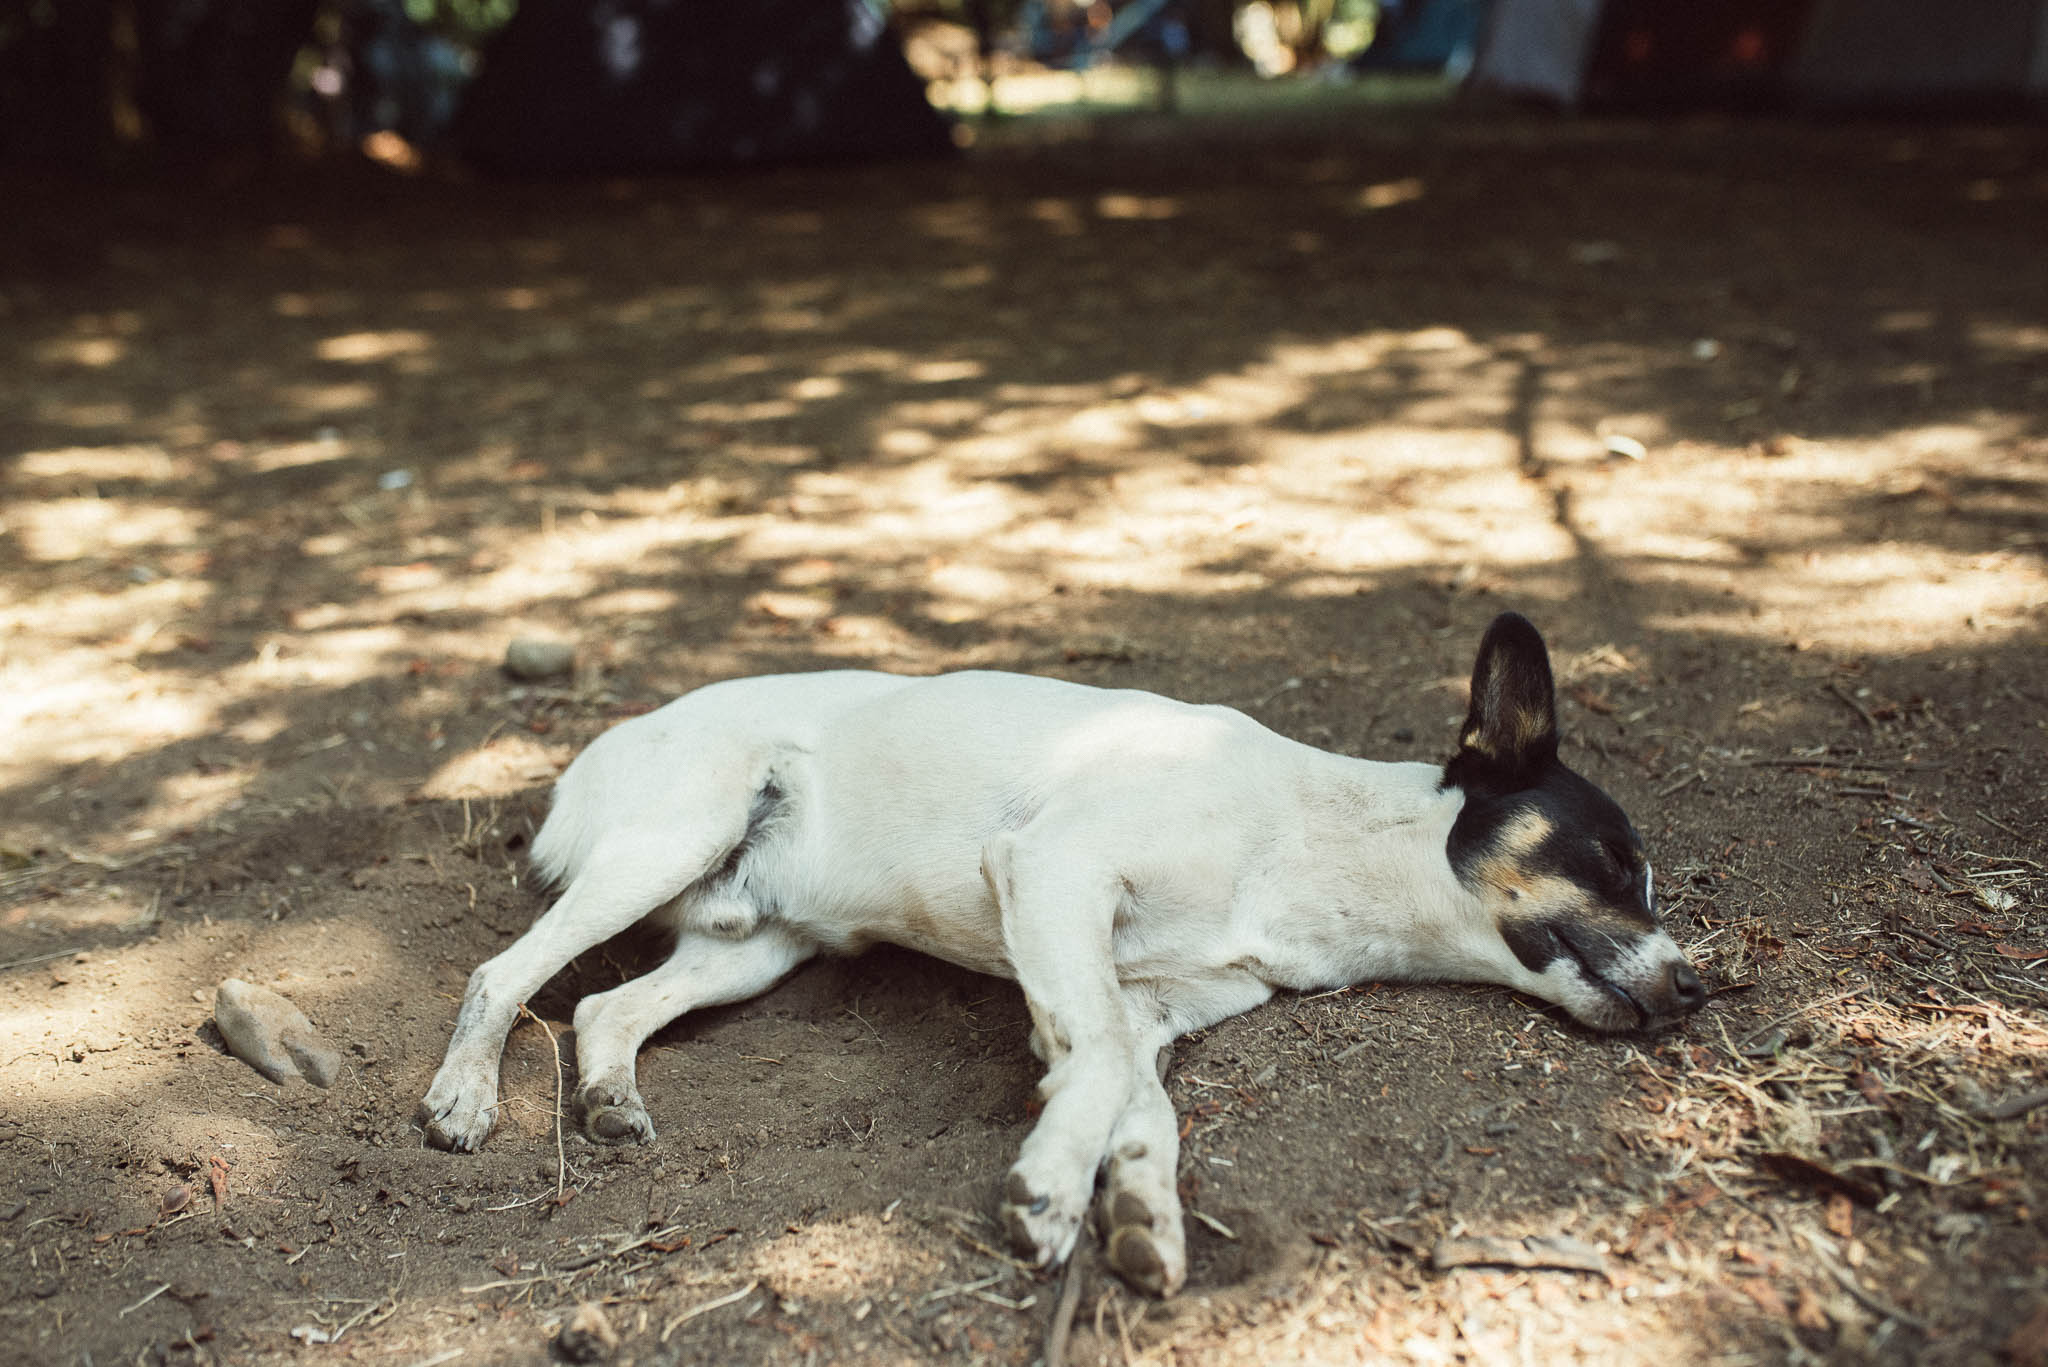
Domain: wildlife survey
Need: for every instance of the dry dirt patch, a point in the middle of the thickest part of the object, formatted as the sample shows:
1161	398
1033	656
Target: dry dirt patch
283	474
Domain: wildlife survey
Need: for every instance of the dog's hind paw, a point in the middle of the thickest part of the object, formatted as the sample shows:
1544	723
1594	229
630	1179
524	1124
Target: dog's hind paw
613	1114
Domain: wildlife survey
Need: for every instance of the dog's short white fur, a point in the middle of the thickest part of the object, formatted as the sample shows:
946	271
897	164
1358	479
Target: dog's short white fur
1141	867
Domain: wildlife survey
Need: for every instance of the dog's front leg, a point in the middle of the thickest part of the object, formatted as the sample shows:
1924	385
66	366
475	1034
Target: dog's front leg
1056	928
1139	1213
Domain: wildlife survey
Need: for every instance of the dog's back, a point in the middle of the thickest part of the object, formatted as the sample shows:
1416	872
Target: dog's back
873	798
630	774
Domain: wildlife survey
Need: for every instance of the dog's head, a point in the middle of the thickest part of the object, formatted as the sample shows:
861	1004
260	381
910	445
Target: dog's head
1551	858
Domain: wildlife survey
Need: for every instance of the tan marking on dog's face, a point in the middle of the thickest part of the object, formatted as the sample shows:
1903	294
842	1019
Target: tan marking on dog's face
1505	870
1523	833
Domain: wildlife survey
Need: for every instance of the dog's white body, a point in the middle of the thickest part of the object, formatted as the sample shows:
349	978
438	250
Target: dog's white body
1141	867
1199	836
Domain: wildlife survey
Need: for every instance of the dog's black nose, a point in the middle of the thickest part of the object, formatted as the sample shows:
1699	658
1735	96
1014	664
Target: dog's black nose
1687	992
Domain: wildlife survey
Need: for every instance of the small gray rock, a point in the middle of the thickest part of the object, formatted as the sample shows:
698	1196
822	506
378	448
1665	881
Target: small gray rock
589	1336
535	657
271	1035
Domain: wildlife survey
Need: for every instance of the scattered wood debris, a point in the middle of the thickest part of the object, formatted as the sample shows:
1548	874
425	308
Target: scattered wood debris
1556	1252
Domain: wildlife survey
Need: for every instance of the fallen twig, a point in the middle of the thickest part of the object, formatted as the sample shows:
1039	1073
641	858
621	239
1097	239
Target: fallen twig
1871	1300
1797	1012
1901	928
2013	1107
1988	817
554	1053
561	1275
41	958
707	1307
1392	1236
963	1288
661	1241
1695	776
1850	700
437	1359
1063	1313
1793	1168
1532	1251
985	1250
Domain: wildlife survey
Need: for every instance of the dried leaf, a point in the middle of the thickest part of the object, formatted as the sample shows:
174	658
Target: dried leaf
1808	1314
217	1176
1872	1089
1841	1216
1766	1297
2016	952
1591	701
1990	930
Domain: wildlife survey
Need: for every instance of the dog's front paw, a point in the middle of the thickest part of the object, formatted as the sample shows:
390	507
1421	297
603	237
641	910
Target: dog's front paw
1140	1219
1041	1227
455	1116
613	1113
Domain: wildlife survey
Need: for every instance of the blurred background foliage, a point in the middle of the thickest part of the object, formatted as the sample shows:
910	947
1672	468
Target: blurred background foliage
98	85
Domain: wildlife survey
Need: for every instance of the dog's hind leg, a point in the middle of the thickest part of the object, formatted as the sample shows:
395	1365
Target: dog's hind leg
611	1026
1056	922
628	873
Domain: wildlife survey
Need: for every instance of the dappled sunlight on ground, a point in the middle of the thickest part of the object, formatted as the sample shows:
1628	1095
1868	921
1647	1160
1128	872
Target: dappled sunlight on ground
1335	464
1274	426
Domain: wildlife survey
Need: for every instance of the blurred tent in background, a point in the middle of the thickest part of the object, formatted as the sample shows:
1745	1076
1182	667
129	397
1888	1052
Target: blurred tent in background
570	87
1651	55
1894	56
1425	35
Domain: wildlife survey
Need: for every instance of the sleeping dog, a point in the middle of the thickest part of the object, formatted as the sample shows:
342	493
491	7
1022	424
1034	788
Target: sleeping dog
1141	867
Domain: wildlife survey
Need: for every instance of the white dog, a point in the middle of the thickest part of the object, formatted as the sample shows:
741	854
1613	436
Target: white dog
1141	867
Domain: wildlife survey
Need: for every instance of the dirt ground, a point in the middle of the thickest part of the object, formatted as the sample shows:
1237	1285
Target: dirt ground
1749	418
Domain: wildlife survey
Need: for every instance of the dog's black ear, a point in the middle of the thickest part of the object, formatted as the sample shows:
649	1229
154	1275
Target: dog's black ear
1510	733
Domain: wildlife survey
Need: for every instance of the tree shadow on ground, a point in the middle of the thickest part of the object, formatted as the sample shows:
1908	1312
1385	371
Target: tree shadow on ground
1277	426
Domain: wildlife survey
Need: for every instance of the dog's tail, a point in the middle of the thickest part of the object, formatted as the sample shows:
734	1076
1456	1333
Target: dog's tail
563	844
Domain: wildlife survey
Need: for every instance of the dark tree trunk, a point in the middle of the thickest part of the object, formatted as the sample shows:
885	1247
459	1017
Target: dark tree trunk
212	72
56	81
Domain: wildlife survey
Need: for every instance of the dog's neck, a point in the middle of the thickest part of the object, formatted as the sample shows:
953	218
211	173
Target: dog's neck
1368	886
